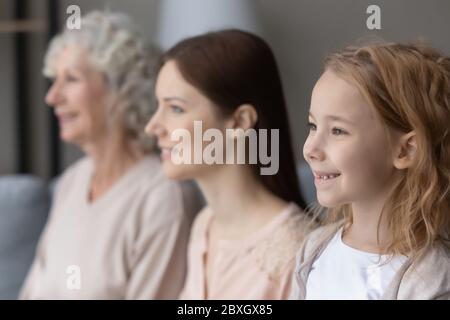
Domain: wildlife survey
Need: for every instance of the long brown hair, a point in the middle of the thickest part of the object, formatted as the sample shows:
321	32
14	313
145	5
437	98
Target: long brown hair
232	68
409	88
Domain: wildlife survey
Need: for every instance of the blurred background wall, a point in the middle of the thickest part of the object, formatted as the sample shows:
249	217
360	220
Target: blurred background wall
301	33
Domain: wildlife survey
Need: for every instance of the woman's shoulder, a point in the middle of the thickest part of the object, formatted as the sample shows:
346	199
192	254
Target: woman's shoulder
179	199
150	179
80	166
275	253
201	223
77	170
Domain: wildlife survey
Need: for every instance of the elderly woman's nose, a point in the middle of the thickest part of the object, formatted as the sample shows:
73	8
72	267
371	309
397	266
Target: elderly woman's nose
54	95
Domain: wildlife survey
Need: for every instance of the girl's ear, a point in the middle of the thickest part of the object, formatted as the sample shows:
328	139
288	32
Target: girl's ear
405	151
244	117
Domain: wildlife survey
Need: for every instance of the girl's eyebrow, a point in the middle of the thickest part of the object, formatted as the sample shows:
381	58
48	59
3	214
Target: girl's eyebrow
334	118
340	119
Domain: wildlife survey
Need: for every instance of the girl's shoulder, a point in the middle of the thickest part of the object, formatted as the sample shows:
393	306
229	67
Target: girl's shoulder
428	277
317	240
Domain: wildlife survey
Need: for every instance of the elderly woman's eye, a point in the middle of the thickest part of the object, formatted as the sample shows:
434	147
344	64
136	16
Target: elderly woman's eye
71	78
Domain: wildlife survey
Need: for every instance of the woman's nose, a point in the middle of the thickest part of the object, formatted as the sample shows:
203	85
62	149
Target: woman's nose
154	127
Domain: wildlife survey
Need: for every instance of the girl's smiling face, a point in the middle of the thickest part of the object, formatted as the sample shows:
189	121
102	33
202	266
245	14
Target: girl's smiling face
347	147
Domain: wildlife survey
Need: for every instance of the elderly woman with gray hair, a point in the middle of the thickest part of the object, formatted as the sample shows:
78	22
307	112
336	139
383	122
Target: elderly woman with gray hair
118	228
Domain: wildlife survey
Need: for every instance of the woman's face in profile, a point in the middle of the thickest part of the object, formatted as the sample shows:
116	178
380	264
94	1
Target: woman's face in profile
79	97
182	107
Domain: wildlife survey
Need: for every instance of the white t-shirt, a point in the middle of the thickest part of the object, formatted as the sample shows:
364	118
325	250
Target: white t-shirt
342	272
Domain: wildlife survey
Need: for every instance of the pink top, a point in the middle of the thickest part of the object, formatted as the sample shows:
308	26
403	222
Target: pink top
258	267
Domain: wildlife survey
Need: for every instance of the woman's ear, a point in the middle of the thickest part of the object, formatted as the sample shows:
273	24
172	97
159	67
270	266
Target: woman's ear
405	151
244	117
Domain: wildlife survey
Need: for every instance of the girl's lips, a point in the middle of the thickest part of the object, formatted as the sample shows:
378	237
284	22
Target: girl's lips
325	175
322	178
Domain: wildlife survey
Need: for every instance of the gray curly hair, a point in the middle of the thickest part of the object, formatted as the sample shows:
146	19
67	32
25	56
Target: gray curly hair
116	48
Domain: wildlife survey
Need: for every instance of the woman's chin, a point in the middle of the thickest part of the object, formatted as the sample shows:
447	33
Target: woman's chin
172	171
176	172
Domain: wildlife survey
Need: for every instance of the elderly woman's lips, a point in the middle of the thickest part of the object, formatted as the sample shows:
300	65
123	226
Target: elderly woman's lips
66	118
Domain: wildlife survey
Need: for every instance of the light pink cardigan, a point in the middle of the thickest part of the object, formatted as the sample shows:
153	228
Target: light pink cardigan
258	267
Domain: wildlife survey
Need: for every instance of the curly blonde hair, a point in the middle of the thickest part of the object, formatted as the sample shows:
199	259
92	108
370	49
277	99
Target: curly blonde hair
409	88
115	48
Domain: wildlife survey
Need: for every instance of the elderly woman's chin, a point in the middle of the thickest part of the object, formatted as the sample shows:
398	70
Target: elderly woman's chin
70	133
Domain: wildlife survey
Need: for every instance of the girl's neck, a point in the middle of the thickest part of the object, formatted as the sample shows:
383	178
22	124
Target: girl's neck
368	230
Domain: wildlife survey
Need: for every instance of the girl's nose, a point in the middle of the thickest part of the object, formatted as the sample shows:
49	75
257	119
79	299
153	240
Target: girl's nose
312	150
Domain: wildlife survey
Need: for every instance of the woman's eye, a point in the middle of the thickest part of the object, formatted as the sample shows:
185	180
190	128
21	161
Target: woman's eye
176	109
337	131
311	126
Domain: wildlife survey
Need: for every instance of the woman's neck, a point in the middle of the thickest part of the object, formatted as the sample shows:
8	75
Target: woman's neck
238	199
111	159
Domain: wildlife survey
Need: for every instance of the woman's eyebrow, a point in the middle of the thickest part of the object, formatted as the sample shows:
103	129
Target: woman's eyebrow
168	99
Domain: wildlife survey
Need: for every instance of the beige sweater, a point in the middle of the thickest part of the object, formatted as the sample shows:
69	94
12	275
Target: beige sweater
128	244
427	278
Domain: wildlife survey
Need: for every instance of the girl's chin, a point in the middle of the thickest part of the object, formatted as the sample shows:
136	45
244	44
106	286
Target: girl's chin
327	202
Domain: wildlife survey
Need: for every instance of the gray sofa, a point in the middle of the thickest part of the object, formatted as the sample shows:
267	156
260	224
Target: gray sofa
24	206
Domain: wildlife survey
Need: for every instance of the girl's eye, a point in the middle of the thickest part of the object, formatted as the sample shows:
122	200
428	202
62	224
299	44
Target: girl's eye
337	131
311	126
176	109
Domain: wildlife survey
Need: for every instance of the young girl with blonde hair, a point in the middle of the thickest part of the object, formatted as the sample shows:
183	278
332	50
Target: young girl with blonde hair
379	147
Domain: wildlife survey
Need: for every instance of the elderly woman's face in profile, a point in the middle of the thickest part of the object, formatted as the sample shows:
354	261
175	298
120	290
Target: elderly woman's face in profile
79	97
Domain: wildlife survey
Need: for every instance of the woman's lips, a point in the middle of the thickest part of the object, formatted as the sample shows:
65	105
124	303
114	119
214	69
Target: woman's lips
166	153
